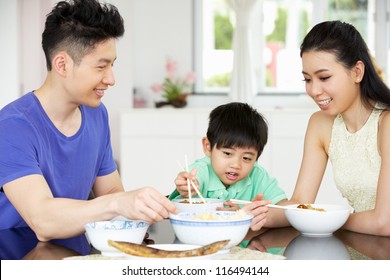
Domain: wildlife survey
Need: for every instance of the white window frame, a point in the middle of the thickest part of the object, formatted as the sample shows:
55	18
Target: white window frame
379	41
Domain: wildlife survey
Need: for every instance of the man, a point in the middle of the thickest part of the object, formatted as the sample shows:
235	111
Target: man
55	141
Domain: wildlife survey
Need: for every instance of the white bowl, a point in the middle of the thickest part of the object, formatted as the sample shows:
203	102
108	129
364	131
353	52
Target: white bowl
318	223
198	206
313	248
227	225
98	233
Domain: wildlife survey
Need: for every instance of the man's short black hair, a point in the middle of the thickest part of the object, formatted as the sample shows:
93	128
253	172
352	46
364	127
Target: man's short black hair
76	26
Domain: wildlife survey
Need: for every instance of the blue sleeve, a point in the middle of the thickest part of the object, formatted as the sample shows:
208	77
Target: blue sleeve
18	155
108	164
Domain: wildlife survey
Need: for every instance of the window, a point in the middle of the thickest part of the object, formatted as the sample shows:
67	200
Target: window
277	27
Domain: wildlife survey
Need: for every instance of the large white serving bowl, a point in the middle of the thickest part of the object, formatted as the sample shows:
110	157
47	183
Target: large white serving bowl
224	225
197	205
318	223
98	233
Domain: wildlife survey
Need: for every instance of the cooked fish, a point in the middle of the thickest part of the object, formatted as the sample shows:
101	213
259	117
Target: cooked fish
150	252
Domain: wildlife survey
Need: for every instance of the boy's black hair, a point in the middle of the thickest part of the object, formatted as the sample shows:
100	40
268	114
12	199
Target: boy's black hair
76	26
237	125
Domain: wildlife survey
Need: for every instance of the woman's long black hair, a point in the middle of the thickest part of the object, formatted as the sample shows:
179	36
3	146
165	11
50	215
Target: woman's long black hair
345	42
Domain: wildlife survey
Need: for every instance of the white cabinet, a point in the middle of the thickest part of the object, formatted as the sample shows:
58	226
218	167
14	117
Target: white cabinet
154	140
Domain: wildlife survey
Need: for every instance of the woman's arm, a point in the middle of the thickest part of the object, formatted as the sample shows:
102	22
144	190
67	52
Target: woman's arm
315	158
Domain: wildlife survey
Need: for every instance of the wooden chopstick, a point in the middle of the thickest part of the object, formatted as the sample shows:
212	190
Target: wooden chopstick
188	180
198	192
238	201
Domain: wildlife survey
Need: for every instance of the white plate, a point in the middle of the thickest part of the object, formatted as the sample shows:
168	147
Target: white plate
178	247
325	234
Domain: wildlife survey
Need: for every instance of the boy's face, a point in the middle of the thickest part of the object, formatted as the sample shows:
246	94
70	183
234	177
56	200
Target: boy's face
231	164
86	83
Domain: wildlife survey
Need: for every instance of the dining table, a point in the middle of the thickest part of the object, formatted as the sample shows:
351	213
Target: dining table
282	243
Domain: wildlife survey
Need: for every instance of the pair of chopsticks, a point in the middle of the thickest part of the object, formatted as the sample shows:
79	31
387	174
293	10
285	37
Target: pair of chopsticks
191	183
243	202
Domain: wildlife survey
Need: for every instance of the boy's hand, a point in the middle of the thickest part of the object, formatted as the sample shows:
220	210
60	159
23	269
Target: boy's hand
230	206
182	185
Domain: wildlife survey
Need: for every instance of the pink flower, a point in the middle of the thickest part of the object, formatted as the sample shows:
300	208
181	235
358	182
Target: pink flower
190	78
171	67
157	88
173	86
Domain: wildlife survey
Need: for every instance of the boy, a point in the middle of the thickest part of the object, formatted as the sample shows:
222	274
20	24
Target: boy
236	137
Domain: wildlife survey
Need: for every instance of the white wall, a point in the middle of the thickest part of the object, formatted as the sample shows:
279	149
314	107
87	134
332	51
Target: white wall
153	30
9	56
32	58
161	29
120	95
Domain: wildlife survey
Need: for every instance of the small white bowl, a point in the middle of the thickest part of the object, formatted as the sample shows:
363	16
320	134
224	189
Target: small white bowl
197	206
318	223
98	233
225	225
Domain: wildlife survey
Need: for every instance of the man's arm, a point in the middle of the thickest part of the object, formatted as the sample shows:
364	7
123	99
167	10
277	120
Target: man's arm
51	217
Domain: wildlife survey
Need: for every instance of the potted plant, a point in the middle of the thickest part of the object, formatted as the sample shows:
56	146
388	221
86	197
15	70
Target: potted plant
174	88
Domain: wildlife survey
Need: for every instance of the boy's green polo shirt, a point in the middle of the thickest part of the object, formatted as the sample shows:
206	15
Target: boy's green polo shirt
258	181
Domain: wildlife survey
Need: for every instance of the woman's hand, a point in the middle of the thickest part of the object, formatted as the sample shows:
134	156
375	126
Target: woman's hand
259	210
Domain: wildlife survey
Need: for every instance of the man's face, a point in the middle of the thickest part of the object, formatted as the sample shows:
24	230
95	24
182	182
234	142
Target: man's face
86	83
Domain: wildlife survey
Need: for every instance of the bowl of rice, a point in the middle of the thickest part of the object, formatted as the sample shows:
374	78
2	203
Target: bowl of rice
208	227
197	205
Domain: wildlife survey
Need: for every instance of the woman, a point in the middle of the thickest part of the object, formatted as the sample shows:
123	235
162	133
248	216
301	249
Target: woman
352	129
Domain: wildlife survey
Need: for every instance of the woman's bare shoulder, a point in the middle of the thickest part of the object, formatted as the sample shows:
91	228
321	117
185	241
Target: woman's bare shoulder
319	129
321	118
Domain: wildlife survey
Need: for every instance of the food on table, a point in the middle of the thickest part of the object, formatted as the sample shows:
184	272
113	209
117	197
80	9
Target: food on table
310	207
149	252
185	201
210	216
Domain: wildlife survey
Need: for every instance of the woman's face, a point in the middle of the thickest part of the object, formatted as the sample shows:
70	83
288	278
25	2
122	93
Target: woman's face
332	86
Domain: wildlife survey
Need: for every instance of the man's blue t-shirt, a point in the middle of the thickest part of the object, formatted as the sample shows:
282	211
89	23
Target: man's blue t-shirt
31	144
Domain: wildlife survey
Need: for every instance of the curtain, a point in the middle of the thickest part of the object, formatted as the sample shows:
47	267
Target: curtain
242	83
